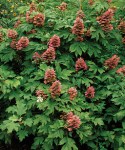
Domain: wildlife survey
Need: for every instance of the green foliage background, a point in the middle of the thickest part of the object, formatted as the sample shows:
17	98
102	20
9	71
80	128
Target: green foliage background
103	117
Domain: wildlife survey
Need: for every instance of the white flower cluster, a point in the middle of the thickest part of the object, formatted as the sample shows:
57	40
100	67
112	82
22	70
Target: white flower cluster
39	99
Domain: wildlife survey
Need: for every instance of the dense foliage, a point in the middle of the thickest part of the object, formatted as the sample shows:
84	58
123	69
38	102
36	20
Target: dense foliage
62	76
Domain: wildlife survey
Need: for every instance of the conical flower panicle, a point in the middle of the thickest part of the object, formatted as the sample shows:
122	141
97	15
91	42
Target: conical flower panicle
23	42
36	57
40	93
54	41
72	92
80	64
50	76
13	44
55	89
72	121
80	14
105	19
121	26
12	34
90	93
17	23
121	70
38	20
112	62
49	55
78	28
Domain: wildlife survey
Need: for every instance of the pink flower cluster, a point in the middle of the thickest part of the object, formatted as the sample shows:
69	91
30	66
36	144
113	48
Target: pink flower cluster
80	14
90	92
112	62
121	70
78	28
13	44
121	26
12	34
40	93
80	64
32	7
23	42
36	57
62	6
54	41
16	25
72	92
50	76
90	2
55	89
38	20
105	19
72	121
49	54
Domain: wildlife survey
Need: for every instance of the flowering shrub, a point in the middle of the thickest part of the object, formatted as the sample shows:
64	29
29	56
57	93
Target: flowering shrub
62	73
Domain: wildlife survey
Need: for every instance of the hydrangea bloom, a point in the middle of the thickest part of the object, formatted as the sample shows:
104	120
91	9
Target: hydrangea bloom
80	64
121	70
54	41
55	89
72	121
38	20
12	34
72	92
78	28
13	44
23	42
112	62
50	76
105	19
49	54
90	93
121	26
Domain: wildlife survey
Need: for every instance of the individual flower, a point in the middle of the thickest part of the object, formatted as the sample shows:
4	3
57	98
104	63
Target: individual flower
12	34
38	20
72	92
62	6
80	14
55	89
80	64
121	70
121	26
49	54
72	121
54	41
90	93
50	76
40	93
23	42
112	62
13	44
105	19
78	28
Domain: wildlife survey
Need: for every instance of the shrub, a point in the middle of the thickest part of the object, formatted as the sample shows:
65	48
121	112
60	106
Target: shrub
62	77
